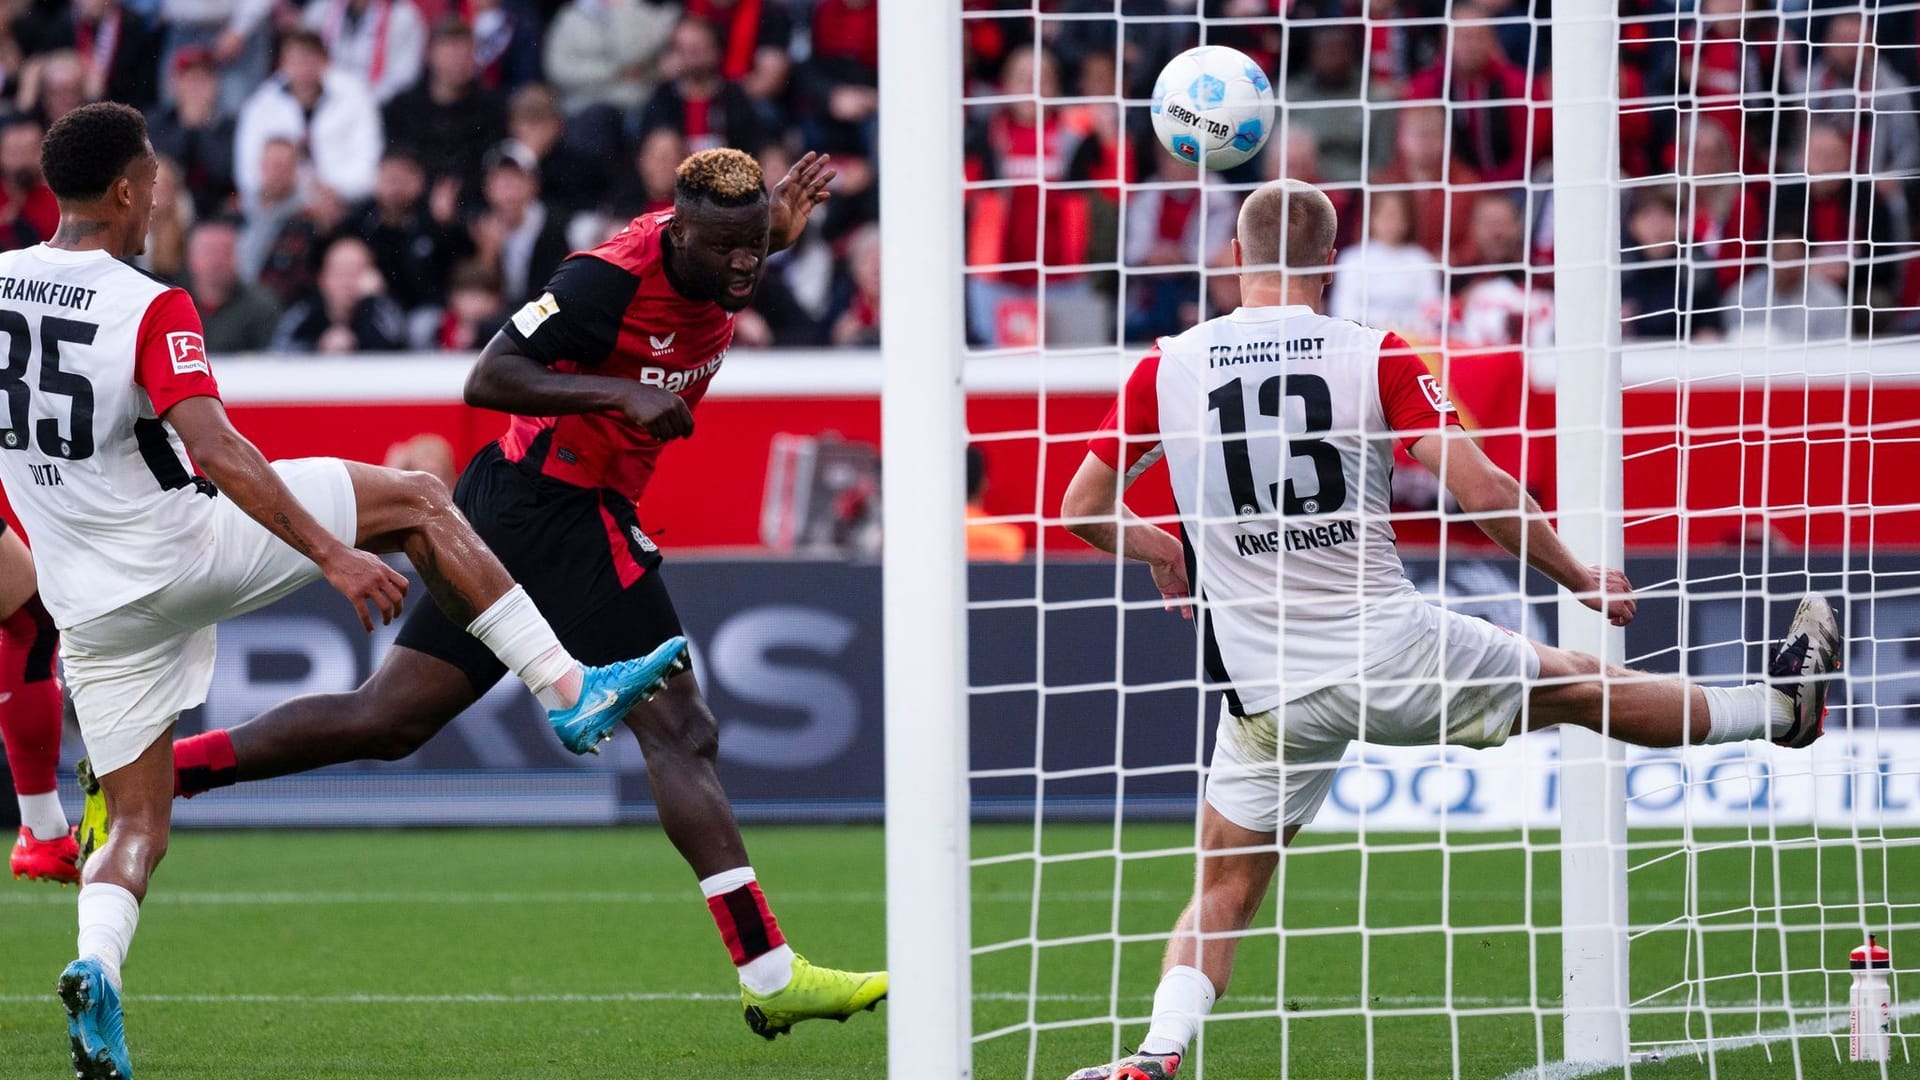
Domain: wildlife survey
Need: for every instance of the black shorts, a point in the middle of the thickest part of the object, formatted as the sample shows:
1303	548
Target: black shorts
581	556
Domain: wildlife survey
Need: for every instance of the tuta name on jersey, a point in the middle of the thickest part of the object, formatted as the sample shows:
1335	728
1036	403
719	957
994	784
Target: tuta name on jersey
1319	536
46	292
1265	352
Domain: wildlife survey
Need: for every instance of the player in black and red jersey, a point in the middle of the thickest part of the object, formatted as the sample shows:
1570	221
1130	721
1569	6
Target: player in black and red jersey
599	373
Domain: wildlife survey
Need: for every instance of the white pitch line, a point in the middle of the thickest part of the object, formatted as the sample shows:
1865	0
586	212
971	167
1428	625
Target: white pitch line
1575	1070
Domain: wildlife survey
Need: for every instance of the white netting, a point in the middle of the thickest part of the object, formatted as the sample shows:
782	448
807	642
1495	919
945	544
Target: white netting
1769	167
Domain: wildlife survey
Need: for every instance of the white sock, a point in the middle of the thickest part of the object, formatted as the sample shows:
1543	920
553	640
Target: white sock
1740	713
108	915
43	815
519	635
771	971
1184	998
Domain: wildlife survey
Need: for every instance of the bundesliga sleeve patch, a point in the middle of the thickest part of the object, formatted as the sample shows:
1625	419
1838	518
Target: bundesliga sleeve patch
535	312
188	351
1436	394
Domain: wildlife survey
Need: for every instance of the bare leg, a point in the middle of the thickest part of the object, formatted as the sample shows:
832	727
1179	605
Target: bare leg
413	513
1229	893
682	743
402	705
140	798
1639	708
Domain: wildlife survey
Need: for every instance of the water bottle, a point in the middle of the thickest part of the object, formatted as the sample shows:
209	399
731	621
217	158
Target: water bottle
1870	1012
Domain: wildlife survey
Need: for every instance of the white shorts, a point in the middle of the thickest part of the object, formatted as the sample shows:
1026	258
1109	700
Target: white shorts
1462	684
131	671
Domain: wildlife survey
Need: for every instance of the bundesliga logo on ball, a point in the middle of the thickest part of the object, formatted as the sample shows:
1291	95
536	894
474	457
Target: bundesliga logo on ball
1211	106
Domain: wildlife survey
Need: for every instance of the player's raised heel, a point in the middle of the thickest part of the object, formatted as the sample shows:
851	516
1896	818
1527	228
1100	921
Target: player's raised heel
815	993
96	1031
606	693
1133	1067
1805	669
91	835
56	860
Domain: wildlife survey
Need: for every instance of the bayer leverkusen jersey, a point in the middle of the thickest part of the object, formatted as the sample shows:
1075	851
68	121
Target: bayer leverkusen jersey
611	311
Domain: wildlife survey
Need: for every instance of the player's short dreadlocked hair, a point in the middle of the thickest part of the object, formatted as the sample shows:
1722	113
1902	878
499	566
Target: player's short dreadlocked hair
89	148
723	177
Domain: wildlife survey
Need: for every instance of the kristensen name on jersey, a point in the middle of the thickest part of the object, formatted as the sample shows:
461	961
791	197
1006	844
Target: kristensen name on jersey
1319	536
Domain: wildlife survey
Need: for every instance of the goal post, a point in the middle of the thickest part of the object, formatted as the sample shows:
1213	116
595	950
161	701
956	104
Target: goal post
924	576
1593	817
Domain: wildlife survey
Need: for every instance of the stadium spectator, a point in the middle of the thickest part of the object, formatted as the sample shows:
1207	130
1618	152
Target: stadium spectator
51	86
1386	280
1848	86
1780	303
118	51
506	43
280	195
1439	185
1329	99
515	234
347	310
313	107
839	87
378	42
756	50
1168	226
1715	199
416	242
193	130
649	187
988	541
1855	239
605	52
697	100
447	118
1496	302
1004	224
237	317
1663	296
236	33
167	229
474	308
28	213
296	251
571	180
859	321
1488	97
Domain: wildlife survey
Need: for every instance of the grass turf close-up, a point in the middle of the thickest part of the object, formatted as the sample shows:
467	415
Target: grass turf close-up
536	953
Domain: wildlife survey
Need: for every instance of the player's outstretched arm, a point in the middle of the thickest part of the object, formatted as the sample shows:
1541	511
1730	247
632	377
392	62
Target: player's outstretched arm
1509	515
1093	511
242	474
794	198
508	380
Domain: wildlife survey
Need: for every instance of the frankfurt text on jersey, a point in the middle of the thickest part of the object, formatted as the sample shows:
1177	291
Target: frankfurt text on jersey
46	292
1264	352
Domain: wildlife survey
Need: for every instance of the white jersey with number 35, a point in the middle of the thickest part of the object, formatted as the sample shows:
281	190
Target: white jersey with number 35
1278	426
95	352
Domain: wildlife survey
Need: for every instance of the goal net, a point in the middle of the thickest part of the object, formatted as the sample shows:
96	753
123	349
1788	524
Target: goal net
1664	263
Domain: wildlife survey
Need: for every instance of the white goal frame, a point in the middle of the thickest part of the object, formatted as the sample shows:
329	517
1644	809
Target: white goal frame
923	442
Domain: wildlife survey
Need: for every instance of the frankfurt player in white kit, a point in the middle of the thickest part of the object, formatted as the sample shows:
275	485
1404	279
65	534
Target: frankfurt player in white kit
1278	425
107	390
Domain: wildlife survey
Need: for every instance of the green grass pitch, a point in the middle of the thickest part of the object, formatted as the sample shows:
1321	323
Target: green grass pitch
550	954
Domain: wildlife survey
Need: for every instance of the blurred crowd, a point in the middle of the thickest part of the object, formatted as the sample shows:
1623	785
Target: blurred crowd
347	176
353	176
1769	159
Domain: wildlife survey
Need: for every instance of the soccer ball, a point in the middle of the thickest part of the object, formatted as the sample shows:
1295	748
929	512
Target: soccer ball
1212	106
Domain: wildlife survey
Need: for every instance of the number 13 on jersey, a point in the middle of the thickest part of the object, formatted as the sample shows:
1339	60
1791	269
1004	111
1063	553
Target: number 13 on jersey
1312	478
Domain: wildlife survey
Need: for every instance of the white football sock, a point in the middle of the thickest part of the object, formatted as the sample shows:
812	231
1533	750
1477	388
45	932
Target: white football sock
771	971
43	815
108	915
1740	713
519	635
1184	998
